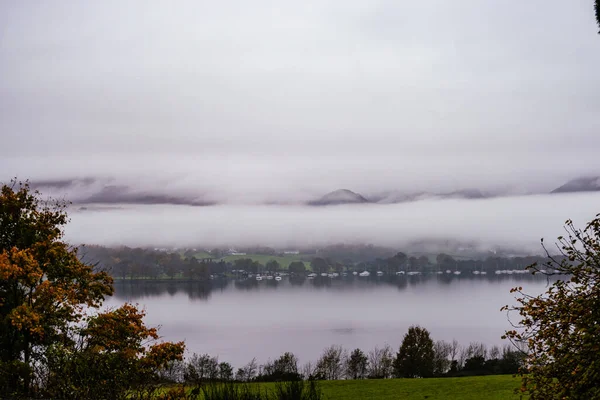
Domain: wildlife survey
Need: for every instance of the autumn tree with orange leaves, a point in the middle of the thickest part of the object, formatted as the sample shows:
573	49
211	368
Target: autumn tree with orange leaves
561	327
110	360
45	291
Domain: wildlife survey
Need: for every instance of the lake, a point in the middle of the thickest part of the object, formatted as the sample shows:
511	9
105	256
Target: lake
237	321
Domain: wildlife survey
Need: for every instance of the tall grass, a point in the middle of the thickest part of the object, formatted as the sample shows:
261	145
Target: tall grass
232	391
291	390
297	390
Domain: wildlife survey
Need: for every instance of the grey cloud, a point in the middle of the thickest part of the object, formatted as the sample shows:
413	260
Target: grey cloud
60	184
281	102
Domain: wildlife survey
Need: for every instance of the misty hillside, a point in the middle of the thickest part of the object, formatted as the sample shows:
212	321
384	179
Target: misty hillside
586	184
341	196
103	191
114	191
402	197
466	194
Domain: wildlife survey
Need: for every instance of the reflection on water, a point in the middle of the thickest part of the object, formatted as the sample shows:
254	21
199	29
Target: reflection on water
132	290
239	320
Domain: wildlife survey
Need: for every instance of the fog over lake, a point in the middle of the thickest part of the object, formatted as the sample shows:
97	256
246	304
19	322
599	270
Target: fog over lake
507	221
237	322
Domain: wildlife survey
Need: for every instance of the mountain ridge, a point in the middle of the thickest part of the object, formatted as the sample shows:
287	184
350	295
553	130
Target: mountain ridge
90	190
338	197
581	184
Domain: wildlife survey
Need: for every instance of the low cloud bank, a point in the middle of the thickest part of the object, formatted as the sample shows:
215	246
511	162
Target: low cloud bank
508	222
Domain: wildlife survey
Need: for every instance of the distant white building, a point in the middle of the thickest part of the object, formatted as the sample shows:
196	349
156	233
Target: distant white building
234	252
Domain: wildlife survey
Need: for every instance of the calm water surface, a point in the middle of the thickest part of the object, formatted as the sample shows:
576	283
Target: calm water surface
238	321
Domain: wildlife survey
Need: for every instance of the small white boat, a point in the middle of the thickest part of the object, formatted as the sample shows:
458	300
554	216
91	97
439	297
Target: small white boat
278	278
364	274
312	275
456	272
379	273
448	271
324	274
330	275
335	275
400	272
259	278
269	277
355	273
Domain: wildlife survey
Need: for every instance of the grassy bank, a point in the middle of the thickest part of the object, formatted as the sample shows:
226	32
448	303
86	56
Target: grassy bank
496	387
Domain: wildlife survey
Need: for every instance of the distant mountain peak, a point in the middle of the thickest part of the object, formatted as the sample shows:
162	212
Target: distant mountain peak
581	184
340	196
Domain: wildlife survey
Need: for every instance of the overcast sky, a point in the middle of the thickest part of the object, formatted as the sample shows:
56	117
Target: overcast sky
277	99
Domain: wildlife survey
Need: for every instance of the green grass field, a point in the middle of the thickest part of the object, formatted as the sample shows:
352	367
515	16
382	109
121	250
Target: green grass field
284	261
497	387
494	387
200	255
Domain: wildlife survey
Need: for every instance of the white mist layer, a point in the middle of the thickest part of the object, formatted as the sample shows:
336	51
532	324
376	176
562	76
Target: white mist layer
509	221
